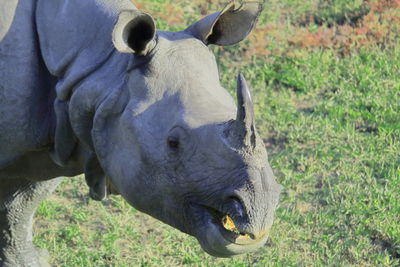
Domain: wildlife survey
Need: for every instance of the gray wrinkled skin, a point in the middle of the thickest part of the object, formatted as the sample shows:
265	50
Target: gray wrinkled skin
91	86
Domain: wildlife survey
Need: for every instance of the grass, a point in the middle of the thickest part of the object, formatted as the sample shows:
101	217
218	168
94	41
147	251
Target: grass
331	124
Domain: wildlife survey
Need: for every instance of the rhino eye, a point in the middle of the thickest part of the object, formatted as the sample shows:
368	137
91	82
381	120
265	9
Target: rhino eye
173	142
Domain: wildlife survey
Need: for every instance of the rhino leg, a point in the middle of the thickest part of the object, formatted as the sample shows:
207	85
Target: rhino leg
18	202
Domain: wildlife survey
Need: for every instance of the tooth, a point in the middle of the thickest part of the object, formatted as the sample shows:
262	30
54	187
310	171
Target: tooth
228	224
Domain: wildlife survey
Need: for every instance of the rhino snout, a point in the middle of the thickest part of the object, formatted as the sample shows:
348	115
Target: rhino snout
229	228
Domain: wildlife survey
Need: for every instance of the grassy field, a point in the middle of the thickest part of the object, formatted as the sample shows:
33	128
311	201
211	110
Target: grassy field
326	82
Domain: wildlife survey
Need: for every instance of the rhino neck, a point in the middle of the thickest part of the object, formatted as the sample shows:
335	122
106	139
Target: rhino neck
92	93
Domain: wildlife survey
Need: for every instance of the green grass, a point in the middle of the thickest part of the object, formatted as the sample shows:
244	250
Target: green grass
332	129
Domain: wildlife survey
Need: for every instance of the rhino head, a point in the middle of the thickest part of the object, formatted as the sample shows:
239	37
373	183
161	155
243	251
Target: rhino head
172	141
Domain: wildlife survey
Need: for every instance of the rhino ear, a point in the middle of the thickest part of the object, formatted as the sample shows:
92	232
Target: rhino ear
134	32
229	26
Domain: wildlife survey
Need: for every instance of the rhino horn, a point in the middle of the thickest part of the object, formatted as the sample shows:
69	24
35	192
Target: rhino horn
244	123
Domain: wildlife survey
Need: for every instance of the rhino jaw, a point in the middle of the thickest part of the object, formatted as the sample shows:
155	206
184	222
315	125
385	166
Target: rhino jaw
219	239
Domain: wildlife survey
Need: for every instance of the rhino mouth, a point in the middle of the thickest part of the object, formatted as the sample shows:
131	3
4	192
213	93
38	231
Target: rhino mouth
218	218
218	234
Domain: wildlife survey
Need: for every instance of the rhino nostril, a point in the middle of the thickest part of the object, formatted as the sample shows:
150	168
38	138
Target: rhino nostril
235	206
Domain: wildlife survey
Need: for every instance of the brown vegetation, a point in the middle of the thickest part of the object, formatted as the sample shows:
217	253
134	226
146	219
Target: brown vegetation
375	23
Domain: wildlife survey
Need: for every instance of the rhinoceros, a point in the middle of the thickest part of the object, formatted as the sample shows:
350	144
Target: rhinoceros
93	87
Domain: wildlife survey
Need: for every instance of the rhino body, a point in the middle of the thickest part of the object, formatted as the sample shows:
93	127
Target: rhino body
92	87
